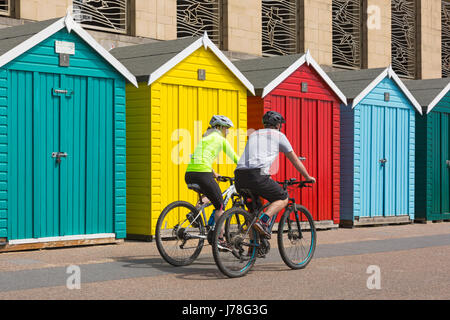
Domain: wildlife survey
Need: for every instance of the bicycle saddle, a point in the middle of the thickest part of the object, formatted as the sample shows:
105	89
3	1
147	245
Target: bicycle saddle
195	187
246	192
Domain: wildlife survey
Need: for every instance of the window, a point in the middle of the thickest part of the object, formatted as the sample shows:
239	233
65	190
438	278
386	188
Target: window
346	21
279	27
194	17
445	39
107	15
5	9
404	37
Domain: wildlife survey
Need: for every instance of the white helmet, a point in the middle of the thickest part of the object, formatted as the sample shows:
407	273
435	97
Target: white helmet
222	121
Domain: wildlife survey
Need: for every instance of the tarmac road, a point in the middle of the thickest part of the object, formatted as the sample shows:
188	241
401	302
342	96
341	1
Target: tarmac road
413	263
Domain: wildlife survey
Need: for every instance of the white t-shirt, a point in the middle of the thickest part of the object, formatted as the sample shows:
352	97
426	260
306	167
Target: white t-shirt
263	147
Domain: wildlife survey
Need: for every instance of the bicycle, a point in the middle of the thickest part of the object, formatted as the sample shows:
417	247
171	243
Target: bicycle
182	228
295	228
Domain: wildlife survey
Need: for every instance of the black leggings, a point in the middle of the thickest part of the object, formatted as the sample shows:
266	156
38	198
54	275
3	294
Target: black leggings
208	185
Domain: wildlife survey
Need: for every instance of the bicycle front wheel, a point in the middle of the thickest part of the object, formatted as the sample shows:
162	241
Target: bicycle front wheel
239	255
180	233
296	237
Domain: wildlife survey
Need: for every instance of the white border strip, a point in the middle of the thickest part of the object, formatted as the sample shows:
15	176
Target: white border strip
405	90
438	98
63	238
174	61
323	74
286	73
207	43
31	42
70	24
388	72
370	87
297	64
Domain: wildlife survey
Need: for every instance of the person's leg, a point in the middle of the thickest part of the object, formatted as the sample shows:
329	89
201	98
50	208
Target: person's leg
276	207
278	198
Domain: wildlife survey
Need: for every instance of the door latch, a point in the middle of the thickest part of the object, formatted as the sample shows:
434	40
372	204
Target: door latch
58	156
383	161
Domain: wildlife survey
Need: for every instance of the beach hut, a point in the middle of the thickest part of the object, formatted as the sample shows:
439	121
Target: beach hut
298	88
432	149
62	137
377	147
183	83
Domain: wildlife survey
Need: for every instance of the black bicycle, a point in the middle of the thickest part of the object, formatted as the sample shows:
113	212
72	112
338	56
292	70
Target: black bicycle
182	227
296	235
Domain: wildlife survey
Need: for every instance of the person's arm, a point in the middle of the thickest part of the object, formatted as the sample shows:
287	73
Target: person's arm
228	149
216	175
299	166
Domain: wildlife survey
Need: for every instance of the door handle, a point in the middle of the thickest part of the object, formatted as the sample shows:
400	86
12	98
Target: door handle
448	164
59	155
383	161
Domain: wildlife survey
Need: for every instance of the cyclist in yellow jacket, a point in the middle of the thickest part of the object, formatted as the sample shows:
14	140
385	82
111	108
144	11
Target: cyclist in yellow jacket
200	171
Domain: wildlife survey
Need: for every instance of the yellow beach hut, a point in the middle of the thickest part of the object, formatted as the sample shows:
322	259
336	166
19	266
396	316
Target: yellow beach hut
182	84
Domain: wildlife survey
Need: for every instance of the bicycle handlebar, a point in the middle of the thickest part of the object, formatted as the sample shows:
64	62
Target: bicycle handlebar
225	179
293	181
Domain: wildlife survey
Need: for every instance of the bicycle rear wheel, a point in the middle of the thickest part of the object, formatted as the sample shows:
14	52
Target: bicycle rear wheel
238	259
178	240
296	237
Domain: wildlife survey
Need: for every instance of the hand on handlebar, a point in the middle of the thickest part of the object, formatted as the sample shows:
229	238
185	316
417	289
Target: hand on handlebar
311	179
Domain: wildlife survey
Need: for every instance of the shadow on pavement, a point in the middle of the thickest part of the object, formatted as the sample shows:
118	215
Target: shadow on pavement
203	268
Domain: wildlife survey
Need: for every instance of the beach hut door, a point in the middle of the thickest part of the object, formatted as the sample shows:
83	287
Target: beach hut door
60	164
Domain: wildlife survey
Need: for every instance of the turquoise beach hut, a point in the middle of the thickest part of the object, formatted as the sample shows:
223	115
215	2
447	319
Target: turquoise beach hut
377	147
62	137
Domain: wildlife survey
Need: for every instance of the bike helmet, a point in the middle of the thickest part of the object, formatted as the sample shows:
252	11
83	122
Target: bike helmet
221	121
272	118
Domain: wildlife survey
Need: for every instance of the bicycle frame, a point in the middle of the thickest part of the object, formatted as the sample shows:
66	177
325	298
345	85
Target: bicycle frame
227	195
291	207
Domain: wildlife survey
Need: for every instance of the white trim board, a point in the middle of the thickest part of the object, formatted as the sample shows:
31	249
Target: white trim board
71	25
63	238
438	98
206	43
388	72
306	58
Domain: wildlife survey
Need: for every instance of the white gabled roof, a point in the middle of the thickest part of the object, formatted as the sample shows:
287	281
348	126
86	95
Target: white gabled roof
206	43
71	25
309	60
354	87
390	73
438	98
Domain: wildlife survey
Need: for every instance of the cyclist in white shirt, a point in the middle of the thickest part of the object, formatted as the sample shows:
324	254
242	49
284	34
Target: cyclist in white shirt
253	169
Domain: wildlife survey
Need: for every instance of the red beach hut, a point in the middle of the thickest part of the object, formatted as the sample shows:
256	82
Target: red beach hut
298	88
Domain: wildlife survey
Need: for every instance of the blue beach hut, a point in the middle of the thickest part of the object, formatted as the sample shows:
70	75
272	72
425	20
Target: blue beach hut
377	147
62	137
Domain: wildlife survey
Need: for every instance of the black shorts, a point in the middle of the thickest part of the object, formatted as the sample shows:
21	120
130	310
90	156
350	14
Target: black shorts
208	185
260	185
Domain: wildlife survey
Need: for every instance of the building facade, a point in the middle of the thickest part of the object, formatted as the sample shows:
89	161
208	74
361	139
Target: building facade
411	35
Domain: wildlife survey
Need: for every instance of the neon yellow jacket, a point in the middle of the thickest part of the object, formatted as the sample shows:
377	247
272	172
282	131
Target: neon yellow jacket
207	151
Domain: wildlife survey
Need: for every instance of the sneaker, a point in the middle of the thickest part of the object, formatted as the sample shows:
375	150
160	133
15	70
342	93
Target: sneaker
263	229
223	245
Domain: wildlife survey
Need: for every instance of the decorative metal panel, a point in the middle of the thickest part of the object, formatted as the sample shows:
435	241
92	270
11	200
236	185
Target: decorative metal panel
404	37
194	17
279	27
5	7
107	15
445	39
347	16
